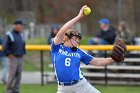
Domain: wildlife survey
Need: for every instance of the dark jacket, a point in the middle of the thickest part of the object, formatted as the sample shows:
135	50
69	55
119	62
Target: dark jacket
50	39
52	34
109	35
14	44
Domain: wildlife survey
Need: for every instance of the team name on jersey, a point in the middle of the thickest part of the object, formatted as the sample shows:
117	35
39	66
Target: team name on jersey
66	53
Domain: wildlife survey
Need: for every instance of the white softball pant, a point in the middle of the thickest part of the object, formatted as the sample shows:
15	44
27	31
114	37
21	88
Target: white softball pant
81	87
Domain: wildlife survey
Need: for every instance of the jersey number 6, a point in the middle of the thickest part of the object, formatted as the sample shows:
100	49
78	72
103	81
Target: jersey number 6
67	62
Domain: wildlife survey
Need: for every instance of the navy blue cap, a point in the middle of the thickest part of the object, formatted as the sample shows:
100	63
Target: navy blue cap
104	21
18	22
55	26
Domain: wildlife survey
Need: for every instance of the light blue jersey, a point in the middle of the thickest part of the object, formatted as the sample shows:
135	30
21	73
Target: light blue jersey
67	63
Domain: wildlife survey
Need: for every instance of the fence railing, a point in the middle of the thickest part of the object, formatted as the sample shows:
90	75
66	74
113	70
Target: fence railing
84	47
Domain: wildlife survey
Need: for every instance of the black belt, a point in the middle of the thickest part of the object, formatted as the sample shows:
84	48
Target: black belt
69	83
18	56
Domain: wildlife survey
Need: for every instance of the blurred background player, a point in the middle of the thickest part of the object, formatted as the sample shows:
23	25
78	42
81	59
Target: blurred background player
66	59
14	48
54	31
125	34
3	63
106	36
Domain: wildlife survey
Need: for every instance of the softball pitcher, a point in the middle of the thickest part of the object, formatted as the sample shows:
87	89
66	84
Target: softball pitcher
66	58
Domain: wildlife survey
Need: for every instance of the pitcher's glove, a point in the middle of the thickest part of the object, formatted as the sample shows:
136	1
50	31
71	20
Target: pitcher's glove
118	51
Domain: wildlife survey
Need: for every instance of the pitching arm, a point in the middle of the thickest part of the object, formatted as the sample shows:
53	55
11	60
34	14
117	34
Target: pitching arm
101	61
59	37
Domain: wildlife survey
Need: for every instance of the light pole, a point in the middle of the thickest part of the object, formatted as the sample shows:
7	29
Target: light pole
119	10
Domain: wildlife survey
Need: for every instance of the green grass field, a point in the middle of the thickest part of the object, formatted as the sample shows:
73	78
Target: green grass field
51	88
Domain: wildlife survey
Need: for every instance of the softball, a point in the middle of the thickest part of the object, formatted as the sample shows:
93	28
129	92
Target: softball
87	11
